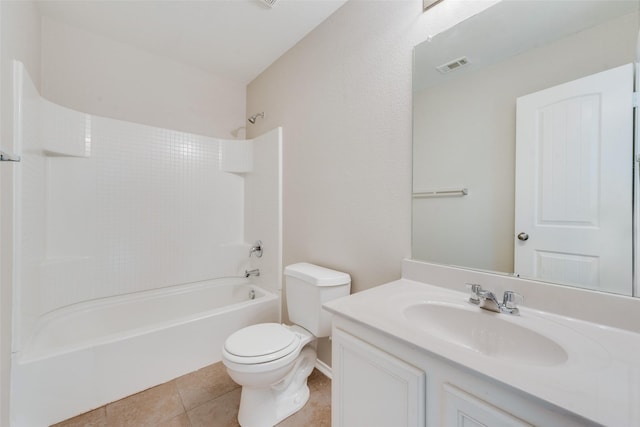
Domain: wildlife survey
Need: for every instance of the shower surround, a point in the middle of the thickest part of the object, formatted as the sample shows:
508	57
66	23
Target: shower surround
108	209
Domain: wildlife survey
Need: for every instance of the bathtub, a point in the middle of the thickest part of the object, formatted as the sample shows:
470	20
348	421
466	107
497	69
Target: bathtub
87	355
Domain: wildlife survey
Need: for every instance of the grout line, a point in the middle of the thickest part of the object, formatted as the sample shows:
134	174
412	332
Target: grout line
188	418
211	400
179	393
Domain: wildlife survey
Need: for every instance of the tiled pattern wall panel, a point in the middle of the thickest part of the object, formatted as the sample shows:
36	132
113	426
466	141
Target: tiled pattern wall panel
148	208
110	207
167	214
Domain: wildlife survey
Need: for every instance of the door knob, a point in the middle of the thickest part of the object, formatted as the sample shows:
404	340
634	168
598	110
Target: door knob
523	236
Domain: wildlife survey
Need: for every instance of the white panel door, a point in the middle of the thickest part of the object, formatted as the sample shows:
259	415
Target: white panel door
574	163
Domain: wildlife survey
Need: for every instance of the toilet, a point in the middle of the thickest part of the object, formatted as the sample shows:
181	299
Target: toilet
272	361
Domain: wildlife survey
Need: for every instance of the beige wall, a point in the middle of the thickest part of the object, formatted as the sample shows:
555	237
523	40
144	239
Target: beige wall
343	97
96	75
472	143
19	39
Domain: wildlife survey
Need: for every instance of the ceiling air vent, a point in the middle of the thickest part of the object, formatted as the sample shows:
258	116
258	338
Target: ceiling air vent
453	65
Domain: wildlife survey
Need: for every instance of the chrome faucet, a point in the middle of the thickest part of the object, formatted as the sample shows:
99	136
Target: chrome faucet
254	272
488	301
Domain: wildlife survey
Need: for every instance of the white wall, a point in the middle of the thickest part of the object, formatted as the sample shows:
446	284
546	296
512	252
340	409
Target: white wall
19	39
343	97
96	75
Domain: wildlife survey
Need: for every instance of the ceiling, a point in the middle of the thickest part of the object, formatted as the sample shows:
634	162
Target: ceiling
235	39
522	25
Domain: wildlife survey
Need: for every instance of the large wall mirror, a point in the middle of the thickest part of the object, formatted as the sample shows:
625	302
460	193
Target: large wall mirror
523	143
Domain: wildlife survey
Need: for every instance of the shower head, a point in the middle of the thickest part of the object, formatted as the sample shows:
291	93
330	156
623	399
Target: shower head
253	118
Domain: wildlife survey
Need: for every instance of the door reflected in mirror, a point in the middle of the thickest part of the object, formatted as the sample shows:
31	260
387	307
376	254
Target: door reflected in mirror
523	143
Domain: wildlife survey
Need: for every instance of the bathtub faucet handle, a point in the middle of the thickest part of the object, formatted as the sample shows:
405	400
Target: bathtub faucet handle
257	249
254	272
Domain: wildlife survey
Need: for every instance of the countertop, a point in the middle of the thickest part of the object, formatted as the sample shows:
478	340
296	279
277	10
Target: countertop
599	380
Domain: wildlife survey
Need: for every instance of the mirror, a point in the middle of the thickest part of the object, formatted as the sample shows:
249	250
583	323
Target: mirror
523	143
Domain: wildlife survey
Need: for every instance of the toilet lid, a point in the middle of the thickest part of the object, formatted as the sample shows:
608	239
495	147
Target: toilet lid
261	343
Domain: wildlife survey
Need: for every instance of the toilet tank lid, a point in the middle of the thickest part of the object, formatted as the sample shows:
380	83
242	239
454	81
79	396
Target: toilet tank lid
316	275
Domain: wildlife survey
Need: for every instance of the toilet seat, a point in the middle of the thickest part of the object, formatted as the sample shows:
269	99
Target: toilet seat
262	343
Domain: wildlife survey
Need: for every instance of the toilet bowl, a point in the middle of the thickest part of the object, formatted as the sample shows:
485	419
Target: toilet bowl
272	361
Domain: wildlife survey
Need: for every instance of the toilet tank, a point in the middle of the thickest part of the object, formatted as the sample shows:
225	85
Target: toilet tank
307	287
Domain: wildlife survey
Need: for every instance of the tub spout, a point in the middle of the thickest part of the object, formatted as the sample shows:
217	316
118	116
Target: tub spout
254	272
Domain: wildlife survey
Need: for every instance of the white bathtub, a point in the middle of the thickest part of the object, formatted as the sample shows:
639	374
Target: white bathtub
89	354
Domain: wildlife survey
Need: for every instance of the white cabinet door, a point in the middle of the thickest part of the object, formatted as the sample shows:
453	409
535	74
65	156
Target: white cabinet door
372	388
464	410
574	163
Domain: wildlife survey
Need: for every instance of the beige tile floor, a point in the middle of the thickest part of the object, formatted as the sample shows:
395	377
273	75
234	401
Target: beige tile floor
205	398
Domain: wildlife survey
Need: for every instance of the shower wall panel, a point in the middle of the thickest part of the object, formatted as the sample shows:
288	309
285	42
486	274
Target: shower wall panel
148	208
111	207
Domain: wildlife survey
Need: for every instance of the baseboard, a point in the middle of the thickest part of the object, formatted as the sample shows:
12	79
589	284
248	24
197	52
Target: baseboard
323	367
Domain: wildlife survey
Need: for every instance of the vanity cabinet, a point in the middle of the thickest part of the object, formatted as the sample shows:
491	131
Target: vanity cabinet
374	388
381	381
461	409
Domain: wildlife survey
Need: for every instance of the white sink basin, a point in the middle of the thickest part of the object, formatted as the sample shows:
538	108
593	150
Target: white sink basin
486	332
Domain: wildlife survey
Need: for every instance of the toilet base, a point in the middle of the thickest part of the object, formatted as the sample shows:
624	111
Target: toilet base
267	406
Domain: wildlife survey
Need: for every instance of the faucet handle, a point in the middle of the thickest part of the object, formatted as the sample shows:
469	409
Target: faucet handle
474	289
511	299
256	248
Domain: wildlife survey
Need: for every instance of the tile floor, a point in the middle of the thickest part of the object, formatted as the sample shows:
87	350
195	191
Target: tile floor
205	398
